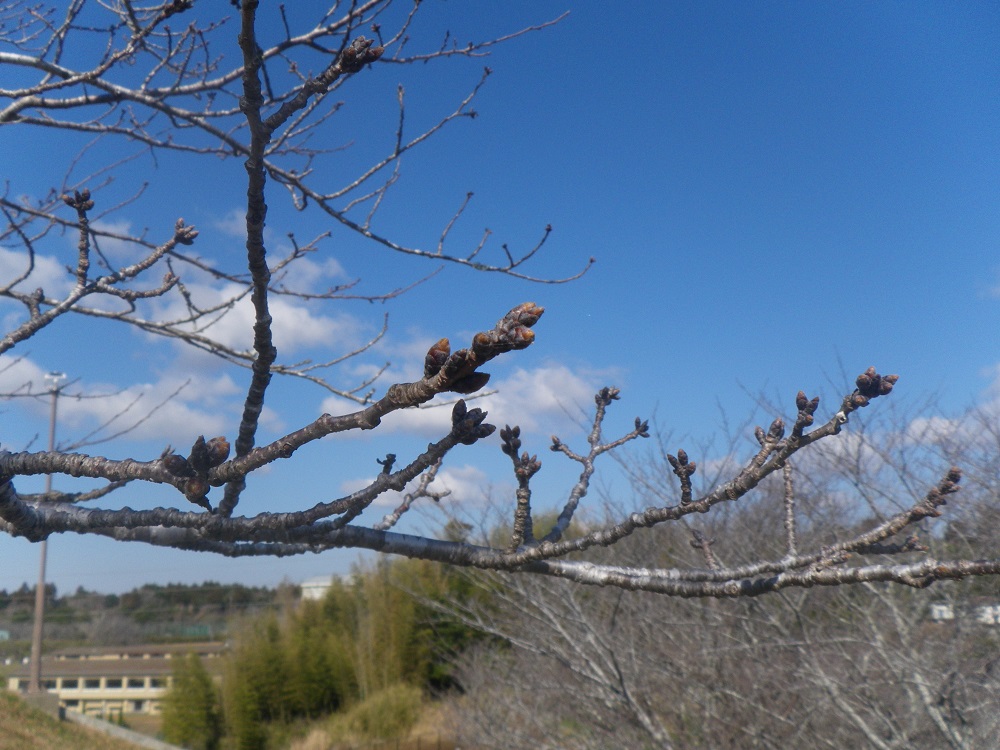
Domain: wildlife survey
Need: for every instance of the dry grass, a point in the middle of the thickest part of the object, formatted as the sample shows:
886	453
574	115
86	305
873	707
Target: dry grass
25	728
427	733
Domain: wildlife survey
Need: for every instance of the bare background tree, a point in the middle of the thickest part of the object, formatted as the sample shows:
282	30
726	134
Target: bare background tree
868	666
166	77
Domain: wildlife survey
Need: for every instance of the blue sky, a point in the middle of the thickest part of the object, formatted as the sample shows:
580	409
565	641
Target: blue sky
775	193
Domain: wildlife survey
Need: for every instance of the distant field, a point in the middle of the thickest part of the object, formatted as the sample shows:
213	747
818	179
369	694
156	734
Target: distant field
25	728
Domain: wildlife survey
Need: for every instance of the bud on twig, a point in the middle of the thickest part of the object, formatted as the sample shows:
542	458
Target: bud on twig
510	440
467	424
471	383
207	455
683	468
437	355
177	465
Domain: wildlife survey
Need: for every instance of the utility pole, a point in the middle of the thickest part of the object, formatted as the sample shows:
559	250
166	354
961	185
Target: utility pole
53	379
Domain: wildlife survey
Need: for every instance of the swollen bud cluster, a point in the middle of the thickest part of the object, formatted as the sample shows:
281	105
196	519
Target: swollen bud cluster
205	455
80	200
359	53
606	395
774	433
683	468
807	407
184	234
872	385
458	369
467	424
525	465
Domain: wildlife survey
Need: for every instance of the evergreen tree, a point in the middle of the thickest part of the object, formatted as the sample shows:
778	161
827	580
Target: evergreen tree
191	707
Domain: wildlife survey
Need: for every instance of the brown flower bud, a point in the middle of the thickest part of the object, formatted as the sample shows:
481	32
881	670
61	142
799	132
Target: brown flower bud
195	489
218	451
777	430
522	338
482	343
177	465
437	355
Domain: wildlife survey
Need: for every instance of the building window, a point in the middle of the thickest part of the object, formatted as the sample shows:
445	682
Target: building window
49	684
158	682
22	685
70	684
72	704
138	706
136	682
112	683
92	683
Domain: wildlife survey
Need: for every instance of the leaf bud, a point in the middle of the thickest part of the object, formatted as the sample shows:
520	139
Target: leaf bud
199	458
470	383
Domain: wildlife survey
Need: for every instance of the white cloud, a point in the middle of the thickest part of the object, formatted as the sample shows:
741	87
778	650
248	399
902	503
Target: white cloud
548	399
20	375
933	430
116	250
308	273
232	224
464	484
294	326
170	410
544	399
311	274
48	273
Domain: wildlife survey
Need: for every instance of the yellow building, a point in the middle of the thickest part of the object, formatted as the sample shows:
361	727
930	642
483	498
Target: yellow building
103	681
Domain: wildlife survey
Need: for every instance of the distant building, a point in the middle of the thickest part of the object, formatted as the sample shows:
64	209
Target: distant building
315	589
4	635
940	612
988	614
114	680
979	611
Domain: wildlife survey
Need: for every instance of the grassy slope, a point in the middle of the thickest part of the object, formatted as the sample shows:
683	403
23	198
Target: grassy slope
25	728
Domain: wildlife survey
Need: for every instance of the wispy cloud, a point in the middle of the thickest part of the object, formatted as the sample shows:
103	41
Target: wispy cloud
547	399
463	484
296	326
48	273
173	409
